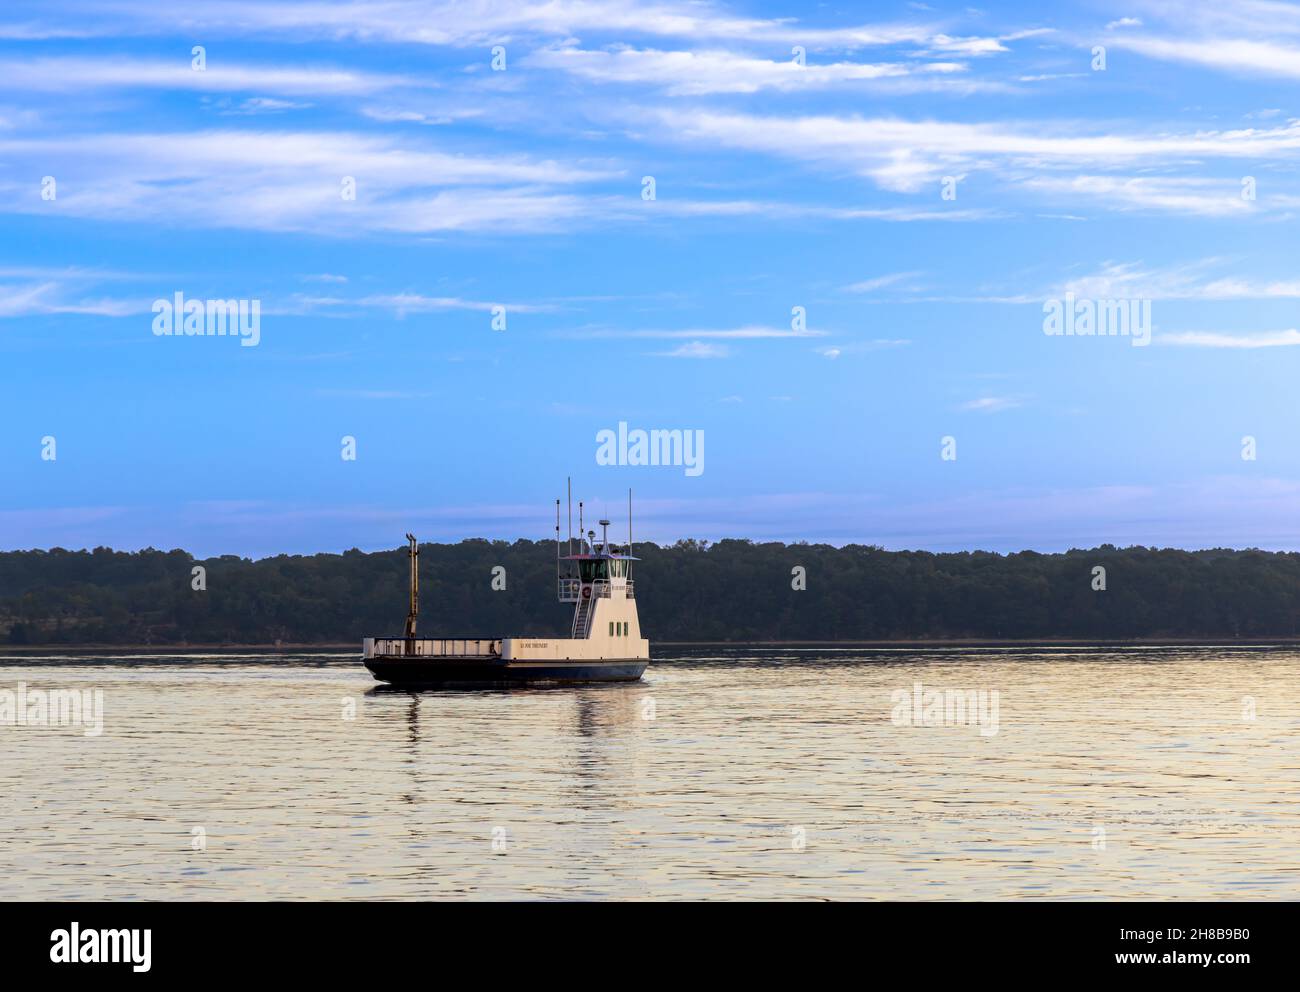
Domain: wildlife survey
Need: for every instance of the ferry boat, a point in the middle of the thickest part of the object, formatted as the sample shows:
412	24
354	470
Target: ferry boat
604	642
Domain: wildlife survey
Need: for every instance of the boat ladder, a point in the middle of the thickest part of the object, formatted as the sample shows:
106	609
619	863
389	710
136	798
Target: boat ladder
582	617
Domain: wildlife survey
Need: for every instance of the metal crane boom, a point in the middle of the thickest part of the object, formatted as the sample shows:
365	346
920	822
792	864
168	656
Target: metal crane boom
413	552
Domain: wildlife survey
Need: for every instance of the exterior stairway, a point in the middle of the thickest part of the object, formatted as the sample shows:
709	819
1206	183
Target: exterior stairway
582	616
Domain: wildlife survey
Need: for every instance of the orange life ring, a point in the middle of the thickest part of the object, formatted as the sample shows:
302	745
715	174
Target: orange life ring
586	592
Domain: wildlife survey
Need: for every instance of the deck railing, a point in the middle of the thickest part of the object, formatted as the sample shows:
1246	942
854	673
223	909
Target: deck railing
432	647
570	590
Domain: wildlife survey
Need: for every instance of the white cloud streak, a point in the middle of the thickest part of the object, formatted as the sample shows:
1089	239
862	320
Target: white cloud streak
748	333
35	299
1237	56
693	73
465	23
1215	339
267	180
906	155
73	74
695	349
881	282
991	404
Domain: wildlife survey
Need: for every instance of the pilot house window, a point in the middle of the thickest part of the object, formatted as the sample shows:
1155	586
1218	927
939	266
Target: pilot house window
593	571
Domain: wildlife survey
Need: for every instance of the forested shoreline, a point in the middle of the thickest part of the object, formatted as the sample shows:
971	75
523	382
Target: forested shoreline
733	590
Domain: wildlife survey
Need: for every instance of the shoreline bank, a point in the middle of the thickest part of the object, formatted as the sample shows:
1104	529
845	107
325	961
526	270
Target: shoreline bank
908	644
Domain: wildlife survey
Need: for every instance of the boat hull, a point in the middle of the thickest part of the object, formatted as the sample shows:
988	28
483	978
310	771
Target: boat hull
448	672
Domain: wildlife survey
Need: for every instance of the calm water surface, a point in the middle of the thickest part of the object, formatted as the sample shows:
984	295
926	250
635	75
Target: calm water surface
754	773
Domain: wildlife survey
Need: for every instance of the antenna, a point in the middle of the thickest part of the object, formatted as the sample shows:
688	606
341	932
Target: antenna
629	523
570	514
580	523
557	538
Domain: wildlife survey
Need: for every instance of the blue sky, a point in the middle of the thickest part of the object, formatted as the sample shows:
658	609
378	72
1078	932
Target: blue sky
777	185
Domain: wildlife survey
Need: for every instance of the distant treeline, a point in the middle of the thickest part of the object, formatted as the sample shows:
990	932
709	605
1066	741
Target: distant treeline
732	590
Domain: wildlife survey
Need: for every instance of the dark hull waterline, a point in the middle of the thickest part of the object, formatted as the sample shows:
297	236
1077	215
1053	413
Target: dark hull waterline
470	672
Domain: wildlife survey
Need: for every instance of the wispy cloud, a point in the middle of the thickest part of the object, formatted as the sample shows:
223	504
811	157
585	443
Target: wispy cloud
1240	56
392	114
991	404
905	155
695	349
294	180
373	394
70	74
1243	38
34	299
1206	197
880	282
483	22
779	210
258	105
1198	280
860	347
748	332
1215	339
1202	279
694	73
398	304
